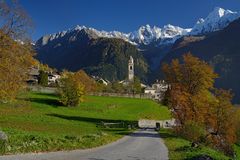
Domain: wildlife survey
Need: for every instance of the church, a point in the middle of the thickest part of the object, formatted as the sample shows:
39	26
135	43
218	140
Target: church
131	69
130	77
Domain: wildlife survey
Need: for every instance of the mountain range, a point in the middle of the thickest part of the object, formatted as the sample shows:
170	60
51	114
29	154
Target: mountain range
145	35
214	39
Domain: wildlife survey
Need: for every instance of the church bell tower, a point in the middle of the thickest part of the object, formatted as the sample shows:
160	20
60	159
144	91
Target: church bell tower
131	69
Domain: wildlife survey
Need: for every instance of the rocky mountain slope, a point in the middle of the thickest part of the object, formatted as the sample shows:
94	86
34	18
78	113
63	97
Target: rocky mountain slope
83	49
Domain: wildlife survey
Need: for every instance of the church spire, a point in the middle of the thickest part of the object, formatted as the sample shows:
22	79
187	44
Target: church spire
131	69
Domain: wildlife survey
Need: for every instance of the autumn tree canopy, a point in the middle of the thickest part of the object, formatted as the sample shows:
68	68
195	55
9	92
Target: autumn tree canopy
195	102
15	60
190	84
15	57
88	83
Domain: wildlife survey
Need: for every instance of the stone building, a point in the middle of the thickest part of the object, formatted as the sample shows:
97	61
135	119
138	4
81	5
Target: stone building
131	69
157	89
130	77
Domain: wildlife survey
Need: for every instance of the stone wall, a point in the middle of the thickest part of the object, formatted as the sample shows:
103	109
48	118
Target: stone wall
145	123
42	89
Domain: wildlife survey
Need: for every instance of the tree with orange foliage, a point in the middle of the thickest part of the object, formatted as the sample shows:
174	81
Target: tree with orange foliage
193	104
89	83
220	121
190	83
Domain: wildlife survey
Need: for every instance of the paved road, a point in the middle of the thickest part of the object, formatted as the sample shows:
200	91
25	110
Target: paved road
141	145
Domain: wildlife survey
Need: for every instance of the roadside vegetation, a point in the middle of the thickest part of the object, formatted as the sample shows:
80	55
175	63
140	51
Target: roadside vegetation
38	122
204	115
180	148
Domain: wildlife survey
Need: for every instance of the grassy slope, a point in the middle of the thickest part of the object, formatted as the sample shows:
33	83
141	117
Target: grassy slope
40	123
180	148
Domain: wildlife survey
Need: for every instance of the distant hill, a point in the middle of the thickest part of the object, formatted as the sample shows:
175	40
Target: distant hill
83	49
221	49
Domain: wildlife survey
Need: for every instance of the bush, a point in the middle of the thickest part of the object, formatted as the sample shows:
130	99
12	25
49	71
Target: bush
71	90
194	132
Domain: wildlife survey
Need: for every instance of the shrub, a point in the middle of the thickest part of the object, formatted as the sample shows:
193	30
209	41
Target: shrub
71	90
194	132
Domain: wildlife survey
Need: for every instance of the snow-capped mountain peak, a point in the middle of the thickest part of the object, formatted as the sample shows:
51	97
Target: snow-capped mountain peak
218	12
218	19
170	31
145	34
78	28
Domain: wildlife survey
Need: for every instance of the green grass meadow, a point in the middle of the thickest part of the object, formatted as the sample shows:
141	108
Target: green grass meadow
37	122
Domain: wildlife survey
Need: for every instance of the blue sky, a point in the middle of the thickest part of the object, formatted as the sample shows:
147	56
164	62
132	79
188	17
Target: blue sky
51	16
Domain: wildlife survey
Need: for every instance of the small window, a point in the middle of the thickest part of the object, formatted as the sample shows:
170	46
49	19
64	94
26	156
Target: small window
131	67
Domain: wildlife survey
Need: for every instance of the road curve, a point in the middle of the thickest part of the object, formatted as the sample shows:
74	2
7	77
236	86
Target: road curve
141	145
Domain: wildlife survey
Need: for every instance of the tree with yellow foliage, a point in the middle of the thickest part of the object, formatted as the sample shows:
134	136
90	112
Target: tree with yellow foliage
71	90
15	57
15	60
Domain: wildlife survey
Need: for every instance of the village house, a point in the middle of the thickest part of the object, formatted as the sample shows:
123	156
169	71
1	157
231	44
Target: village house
149	90
157	90
33	76
53	77
101	80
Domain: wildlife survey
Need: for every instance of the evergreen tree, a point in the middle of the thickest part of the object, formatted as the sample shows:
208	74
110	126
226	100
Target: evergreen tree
137	85
43	78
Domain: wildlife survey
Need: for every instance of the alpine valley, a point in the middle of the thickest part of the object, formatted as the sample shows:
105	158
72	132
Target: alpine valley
216	39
